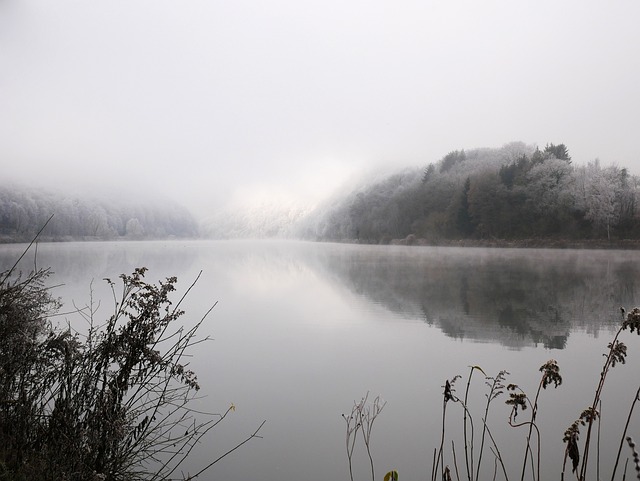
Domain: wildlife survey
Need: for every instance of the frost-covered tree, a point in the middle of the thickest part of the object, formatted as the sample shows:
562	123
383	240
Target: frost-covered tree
599	192
24	210
548	184
134	228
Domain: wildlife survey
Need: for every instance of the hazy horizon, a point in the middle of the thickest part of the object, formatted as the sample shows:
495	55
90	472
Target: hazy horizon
211	102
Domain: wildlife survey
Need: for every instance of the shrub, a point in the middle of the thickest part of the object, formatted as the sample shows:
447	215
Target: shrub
108	404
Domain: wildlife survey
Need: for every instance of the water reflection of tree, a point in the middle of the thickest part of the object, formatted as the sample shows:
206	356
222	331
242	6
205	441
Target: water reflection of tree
515	297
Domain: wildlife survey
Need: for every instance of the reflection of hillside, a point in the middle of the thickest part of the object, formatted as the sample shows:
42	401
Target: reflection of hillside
80	262
516	297
80	267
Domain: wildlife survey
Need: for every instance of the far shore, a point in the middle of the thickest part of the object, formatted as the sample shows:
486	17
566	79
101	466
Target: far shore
536	243
410	240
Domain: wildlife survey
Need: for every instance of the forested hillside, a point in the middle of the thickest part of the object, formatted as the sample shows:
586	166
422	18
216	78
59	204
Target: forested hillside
23	211
514	192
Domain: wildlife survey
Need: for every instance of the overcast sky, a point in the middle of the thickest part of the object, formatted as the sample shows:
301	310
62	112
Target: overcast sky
212	100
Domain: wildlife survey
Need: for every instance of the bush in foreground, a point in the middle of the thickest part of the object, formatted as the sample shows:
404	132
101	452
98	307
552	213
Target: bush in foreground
108	404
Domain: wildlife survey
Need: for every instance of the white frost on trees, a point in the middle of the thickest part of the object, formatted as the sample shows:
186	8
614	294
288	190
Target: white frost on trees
599	192
134	228
549	184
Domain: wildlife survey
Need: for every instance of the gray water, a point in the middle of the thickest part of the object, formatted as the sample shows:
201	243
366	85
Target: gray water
302	330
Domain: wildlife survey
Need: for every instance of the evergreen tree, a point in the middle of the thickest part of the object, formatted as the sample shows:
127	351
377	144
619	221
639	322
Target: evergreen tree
464	224
559	151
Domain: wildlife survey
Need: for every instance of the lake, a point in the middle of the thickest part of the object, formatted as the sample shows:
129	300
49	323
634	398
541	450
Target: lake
302	330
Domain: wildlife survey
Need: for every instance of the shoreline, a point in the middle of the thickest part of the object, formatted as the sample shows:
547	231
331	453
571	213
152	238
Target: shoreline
410	240
541	243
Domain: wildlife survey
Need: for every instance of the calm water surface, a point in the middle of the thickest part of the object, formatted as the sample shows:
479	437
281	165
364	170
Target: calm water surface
301	330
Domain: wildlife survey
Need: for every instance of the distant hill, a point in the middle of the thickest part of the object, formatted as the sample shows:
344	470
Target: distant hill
24	210
514	192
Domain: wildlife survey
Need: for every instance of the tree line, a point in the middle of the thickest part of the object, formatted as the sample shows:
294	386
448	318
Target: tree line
23	211
513	192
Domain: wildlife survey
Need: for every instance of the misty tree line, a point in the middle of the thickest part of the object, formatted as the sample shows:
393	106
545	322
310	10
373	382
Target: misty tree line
24	211
514	192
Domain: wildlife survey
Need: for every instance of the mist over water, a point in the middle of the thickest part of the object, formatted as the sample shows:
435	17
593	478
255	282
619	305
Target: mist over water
301	330
289	119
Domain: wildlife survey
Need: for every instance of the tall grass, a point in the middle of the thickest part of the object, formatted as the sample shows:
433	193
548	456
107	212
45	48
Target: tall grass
468	450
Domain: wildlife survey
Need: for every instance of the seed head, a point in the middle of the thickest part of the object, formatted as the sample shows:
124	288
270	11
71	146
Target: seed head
550	373
632	322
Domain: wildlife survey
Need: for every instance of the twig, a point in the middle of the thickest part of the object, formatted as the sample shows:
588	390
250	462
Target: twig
10	271
610	360
252	436
624	433
455	461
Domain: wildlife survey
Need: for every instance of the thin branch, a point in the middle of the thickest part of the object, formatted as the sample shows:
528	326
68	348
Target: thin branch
624	433
252	436
10	271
